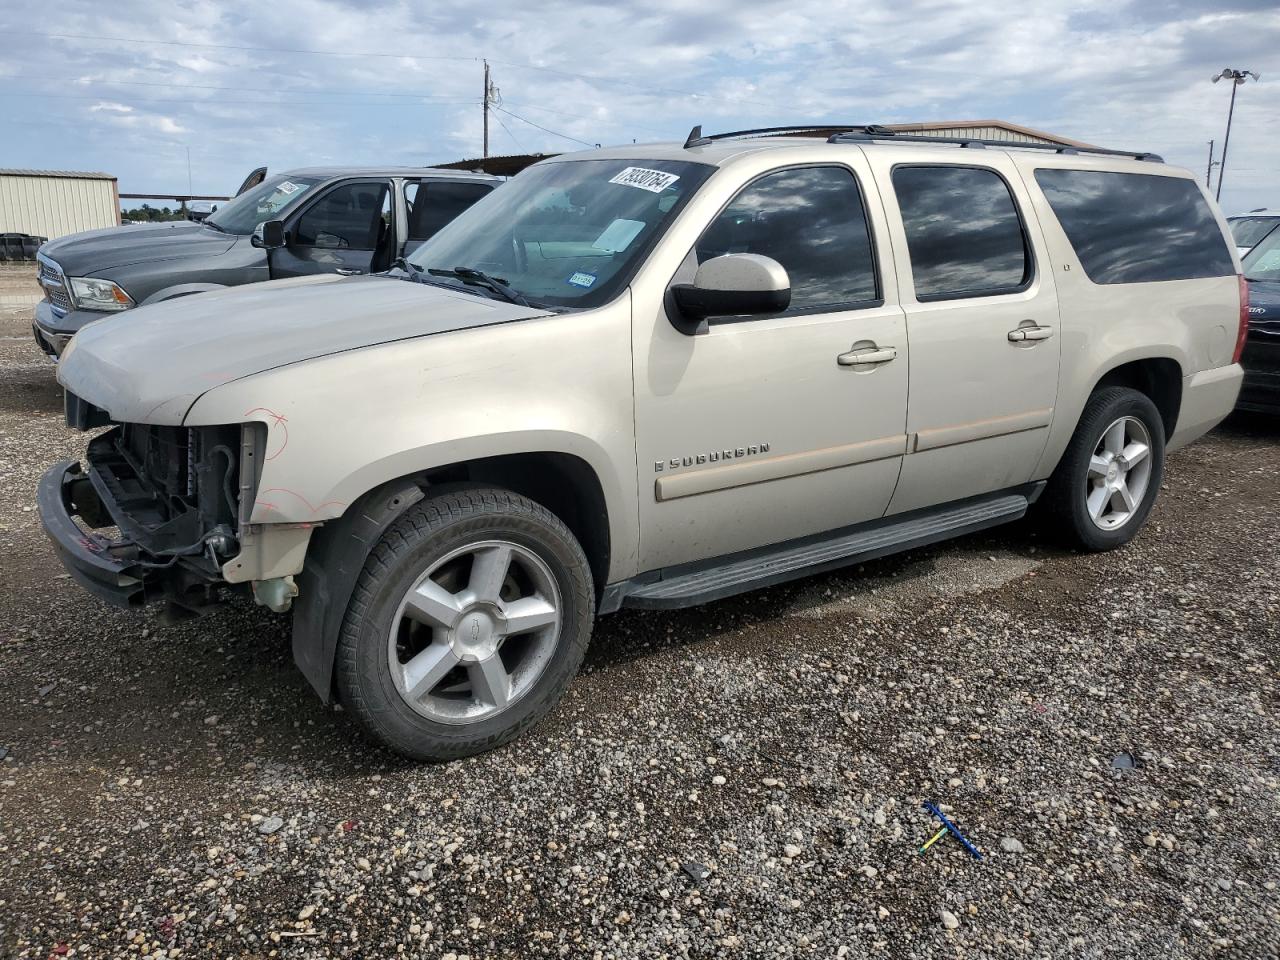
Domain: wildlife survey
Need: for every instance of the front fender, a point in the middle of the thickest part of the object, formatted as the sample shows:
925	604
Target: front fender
341	425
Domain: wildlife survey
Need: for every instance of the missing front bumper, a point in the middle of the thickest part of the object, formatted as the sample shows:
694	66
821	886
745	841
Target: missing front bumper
108	569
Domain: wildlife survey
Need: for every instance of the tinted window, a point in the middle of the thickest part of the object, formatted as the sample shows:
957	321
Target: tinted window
1136	227
433	203
349	217
963	232
811	221
1248	231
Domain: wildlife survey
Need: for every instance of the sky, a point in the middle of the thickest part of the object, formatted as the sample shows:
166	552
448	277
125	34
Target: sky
129	87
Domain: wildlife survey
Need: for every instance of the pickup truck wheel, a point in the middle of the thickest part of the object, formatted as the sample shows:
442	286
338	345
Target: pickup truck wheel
1107	481
468	621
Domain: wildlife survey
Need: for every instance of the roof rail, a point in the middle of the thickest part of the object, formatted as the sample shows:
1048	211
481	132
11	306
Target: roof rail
873	132
697	139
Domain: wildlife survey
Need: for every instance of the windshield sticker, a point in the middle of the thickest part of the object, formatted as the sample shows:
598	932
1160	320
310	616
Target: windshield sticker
618	235
581	279
655	181
288	187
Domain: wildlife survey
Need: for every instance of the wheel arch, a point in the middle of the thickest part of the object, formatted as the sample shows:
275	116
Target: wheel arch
563	483
1158	374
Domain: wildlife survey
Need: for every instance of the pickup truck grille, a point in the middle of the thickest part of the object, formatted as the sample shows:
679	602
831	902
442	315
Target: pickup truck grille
54	284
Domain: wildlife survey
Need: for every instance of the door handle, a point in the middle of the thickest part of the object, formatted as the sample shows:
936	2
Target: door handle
348	272
866	356
1030	333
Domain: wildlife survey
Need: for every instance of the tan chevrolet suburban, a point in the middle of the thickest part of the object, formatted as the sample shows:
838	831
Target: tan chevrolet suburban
649	376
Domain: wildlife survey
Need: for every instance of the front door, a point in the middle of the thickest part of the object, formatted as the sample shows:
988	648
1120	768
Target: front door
760	430
342	231
982	317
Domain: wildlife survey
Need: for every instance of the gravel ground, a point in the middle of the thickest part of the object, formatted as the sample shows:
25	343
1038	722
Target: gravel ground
742	780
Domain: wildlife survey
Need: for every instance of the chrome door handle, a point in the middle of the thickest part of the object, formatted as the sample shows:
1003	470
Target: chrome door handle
1030	333
864	356
348	272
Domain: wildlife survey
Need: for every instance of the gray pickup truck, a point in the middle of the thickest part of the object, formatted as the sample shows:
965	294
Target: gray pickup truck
316	220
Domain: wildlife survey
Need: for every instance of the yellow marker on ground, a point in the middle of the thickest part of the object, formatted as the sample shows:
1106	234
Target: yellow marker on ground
932	840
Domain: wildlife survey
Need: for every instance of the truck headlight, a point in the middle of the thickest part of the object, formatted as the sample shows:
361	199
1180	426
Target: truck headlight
94	293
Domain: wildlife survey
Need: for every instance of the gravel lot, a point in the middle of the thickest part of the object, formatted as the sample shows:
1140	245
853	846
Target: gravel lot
178	791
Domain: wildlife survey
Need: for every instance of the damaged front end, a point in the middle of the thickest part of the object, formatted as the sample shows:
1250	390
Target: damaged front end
155	513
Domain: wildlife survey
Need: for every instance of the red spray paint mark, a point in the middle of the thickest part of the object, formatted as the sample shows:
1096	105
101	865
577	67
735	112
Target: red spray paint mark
278	420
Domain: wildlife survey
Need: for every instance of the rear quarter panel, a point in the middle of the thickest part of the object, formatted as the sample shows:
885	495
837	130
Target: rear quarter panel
1103	326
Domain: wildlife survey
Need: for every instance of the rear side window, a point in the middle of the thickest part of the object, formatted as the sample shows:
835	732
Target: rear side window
433	203
963	232
1136	227
809	219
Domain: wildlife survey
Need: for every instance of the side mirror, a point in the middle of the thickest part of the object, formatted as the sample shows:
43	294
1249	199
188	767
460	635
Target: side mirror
269	235
734	285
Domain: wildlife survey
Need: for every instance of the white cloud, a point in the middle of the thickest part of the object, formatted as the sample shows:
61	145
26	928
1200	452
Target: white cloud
1130	74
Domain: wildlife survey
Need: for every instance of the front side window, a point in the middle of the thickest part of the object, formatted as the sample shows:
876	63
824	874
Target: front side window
963	232
266	201
433	203
1249	231
1136	227
811	220
567	233
353	216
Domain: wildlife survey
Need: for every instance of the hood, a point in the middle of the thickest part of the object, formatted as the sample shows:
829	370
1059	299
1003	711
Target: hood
150	364
1264	306
88	254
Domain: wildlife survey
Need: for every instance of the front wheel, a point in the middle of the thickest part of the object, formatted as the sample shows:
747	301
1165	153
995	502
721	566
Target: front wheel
1106	483
470	618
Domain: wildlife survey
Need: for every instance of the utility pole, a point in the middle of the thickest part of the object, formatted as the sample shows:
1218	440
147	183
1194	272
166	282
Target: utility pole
1208	171
490	99
1237	77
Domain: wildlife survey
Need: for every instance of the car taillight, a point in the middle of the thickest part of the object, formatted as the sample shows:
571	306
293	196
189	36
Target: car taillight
1243	333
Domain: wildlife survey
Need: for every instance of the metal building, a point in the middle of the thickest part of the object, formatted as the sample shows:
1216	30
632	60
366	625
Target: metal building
53	203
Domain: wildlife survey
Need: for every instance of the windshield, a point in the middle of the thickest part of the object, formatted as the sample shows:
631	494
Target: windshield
1246	231
1263	261
570	233
264	202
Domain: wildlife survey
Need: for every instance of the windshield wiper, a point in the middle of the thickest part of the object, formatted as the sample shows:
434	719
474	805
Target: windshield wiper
209	223
481	279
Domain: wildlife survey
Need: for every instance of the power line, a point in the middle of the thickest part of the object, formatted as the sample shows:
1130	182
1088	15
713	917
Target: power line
578	116
260	101
210	86
554	133
597	79
233	46
509	133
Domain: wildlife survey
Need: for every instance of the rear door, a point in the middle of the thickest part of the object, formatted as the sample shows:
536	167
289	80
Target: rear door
431	203
982	319
340	231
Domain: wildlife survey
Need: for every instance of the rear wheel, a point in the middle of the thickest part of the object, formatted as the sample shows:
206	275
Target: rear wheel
1106	483
469	620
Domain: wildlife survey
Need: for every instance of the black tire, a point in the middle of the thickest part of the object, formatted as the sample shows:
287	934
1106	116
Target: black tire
427	532
1065	496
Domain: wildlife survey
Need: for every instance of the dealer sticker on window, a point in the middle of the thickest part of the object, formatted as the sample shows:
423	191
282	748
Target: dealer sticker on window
288	187
581	279
655	181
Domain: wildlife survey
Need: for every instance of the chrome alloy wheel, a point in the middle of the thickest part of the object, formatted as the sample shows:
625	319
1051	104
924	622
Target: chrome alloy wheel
475	632
1119	473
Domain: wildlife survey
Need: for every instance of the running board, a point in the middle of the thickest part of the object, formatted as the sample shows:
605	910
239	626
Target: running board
703	583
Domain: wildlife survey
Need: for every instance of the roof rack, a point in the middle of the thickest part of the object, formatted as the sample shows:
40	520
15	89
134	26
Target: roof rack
871	132
696	138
